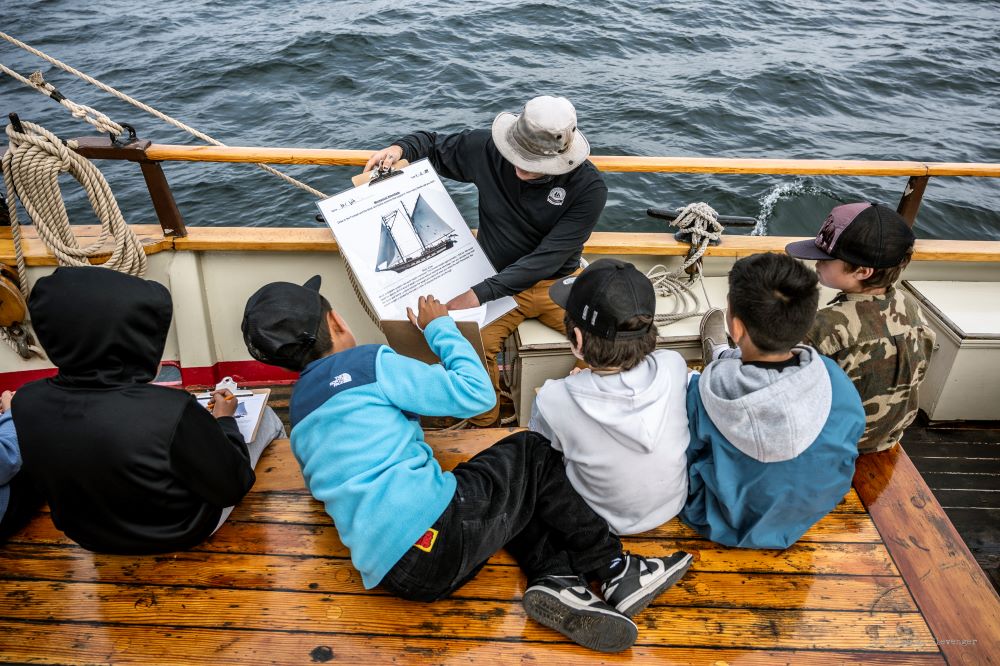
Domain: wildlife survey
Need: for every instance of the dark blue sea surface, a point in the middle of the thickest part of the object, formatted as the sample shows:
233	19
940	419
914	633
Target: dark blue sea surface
838	79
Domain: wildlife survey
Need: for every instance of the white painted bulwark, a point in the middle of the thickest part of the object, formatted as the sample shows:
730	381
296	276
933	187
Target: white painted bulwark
963	380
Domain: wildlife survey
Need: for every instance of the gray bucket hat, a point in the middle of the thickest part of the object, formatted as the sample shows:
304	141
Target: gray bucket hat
543	138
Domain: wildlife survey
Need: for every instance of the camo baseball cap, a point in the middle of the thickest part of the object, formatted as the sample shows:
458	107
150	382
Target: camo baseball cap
862	234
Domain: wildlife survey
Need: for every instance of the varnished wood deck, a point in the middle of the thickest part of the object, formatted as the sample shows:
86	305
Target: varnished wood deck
276	585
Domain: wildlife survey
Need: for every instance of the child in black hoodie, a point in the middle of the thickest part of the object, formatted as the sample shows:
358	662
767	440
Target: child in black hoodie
126	466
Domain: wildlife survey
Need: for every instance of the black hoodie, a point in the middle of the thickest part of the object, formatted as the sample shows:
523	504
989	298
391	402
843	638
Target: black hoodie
126	466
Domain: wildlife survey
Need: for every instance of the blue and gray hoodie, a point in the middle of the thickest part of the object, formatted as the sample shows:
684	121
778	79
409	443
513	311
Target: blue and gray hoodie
357	438
772	451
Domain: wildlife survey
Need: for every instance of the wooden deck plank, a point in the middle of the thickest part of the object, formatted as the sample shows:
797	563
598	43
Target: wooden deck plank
85	643
278	581
479	619
960	604
278	471
858	559
284	507
330	575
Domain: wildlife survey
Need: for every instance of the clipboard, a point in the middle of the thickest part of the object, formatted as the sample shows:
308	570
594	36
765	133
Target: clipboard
252	403
408	340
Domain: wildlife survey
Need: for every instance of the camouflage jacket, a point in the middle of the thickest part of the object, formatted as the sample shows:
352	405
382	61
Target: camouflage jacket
884	346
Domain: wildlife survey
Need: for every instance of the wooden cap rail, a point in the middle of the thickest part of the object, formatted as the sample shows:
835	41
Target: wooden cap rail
332	157
283	239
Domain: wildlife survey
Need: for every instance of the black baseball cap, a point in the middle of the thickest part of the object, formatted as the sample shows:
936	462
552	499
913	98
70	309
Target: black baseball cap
862	234
604	296
281	322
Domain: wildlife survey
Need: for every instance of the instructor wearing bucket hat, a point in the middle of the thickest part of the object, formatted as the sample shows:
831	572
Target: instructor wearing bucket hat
539	199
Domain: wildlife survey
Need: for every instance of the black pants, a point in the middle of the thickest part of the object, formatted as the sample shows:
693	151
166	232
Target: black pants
25	500
513	494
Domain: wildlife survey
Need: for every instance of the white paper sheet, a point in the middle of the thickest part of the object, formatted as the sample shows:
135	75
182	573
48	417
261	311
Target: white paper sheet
404	238
248	412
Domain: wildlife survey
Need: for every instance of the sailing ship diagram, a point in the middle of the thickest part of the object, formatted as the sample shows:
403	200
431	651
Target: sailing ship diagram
411	238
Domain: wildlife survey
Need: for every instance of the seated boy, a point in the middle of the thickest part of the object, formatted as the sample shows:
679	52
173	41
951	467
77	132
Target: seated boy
874	332
417	531
126	466
774	425
18	498
621	425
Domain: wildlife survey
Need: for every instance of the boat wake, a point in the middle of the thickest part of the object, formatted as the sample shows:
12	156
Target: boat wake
785	192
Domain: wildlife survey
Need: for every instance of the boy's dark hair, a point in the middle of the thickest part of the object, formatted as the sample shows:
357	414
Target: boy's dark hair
775	296
882	277
324	343
625	353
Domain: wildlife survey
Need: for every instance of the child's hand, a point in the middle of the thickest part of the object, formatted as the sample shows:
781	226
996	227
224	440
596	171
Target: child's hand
428	309
5	399
223	403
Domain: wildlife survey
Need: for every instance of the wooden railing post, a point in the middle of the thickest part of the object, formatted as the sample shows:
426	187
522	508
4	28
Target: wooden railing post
101	148
909	204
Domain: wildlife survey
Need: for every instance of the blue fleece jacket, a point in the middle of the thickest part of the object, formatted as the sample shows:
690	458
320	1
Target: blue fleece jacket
356	436
772	450
10	458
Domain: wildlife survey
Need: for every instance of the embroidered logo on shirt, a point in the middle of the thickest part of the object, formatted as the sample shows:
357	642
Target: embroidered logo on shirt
426	542
557	196
340	379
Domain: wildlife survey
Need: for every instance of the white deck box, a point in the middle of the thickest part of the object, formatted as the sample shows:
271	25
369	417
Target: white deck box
963	379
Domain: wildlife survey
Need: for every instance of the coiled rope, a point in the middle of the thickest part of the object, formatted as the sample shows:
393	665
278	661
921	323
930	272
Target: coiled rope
702	222
31	168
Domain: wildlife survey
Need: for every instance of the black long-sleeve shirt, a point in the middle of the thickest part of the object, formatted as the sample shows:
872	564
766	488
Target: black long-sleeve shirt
530	231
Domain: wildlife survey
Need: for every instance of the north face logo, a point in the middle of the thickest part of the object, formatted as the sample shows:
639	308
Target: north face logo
340	379
557	196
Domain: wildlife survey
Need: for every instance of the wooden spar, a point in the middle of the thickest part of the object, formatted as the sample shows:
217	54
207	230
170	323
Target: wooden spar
625	163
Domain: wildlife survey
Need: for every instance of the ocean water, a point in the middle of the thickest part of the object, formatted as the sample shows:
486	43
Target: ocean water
838	79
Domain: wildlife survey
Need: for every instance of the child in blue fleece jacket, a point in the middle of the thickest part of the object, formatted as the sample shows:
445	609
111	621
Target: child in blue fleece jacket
414	529
774	425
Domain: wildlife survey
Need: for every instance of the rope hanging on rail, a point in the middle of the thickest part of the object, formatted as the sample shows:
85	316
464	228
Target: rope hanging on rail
31	169
702	223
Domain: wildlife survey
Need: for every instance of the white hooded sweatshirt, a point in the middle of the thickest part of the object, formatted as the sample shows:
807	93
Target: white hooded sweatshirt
624	437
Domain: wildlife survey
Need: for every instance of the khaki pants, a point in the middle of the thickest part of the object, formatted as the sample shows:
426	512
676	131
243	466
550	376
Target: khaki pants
532	303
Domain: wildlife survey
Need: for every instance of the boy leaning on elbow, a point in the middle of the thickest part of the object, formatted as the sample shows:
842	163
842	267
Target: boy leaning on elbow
420	532
875	332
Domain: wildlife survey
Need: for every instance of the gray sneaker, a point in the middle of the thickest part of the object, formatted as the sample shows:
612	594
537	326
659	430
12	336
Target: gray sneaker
566	604
642	579
713	332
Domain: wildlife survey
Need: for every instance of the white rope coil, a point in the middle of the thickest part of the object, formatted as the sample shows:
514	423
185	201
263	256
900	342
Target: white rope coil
31	169
702	222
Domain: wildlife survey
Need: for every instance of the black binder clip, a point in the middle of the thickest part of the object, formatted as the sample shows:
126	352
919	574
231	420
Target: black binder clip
380	173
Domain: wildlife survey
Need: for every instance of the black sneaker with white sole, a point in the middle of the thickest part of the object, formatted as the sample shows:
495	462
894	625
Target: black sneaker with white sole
566	604
642	580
